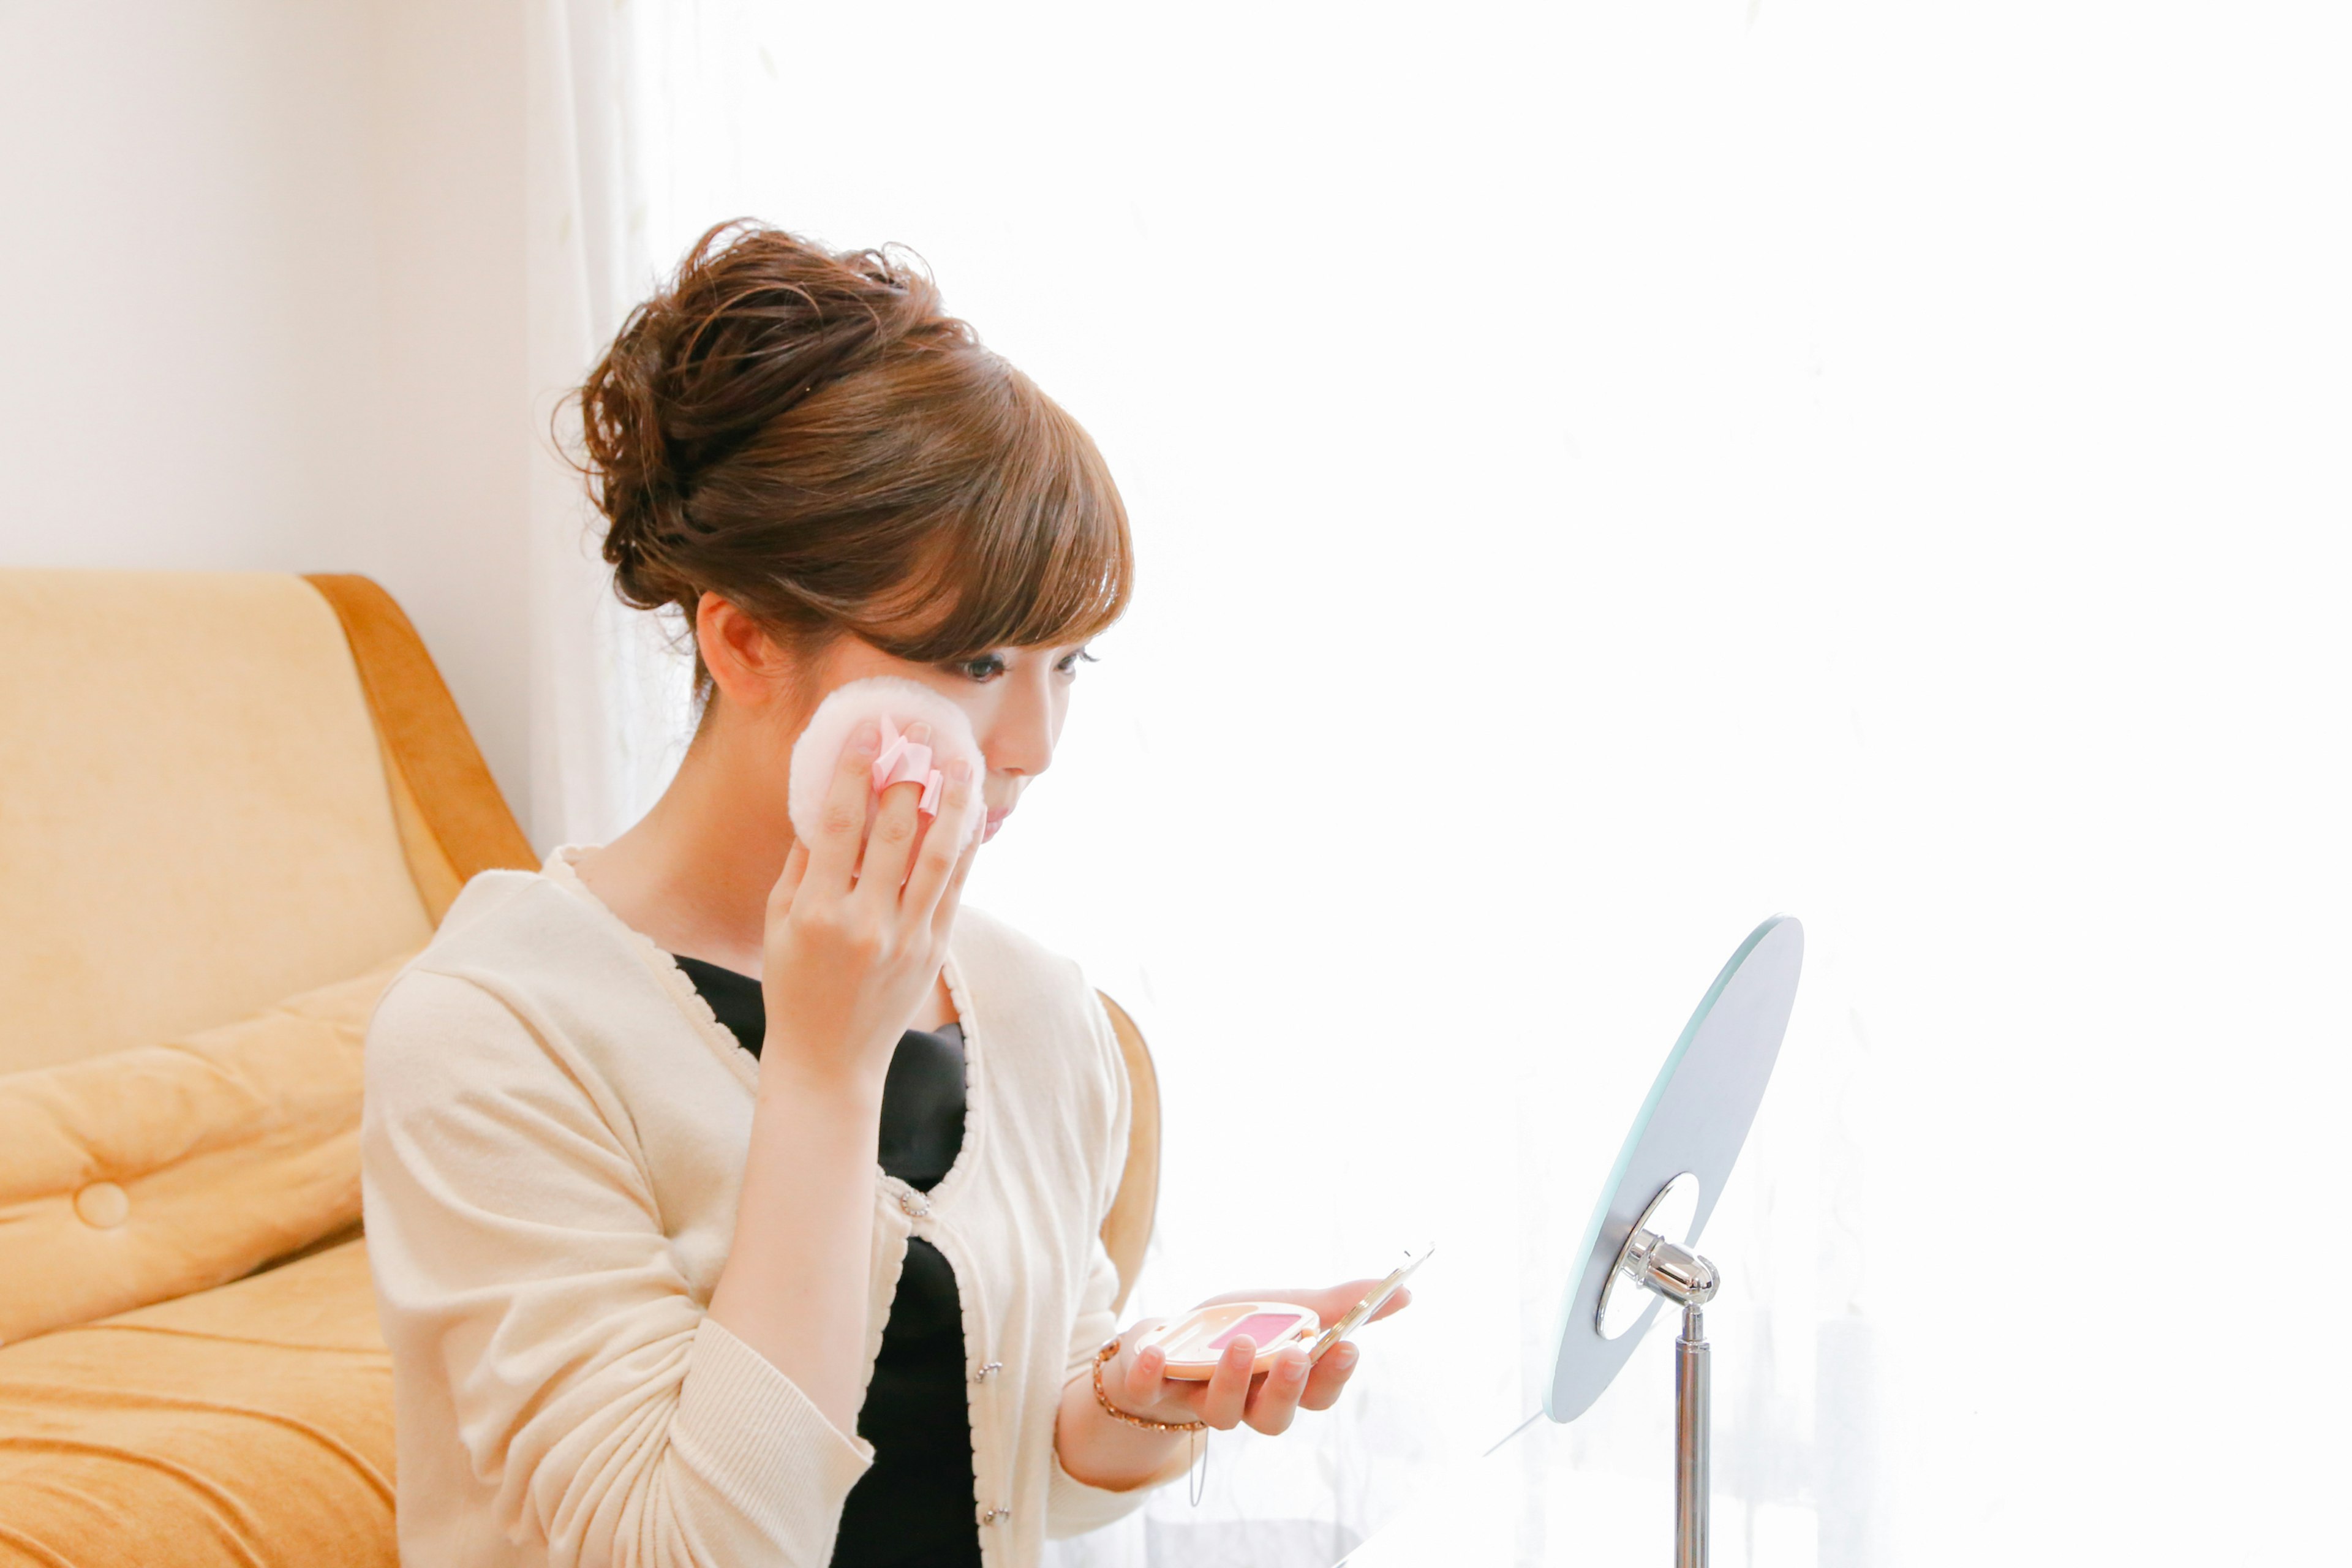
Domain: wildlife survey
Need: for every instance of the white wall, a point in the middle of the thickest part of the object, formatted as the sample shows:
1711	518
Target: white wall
261	287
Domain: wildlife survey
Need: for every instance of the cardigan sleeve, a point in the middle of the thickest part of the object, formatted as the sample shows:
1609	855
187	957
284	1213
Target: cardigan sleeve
522	1266
1073	1506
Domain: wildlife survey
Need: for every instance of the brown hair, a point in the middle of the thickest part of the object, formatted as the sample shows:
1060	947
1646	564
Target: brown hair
804	433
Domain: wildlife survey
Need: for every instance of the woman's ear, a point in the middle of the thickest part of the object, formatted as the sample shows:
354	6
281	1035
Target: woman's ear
745	663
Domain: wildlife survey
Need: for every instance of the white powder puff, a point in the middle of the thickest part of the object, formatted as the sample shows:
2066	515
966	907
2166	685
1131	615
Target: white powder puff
903	702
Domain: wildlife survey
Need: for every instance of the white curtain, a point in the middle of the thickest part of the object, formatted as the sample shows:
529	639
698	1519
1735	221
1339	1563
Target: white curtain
610	700
1604	474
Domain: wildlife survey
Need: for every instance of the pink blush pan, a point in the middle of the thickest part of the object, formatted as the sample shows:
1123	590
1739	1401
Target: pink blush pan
1261	1328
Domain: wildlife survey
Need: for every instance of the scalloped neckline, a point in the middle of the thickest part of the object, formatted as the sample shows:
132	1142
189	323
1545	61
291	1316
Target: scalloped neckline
561	870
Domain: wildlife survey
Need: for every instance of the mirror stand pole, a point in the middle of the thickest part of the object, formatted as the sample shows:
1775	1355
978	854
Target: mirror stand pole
1692	1429
1690	1282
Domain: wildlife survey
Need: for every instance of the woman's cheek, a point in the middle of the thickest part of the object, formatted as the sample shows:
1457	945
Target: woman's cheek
978	706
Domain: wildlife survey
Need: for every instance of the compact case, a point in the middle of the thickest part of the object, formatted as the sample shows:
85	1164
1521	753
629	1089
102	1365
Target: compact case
1196	1343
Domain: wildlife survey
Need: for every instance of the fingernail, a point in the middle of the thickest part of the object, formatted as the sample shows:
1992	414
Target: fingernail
1293	1368
958	771
918	734
867	736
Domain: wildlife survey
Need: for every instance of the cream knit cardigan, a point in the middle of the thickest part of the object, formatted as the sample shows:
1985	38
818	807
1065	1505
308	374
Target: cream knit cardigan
553	1146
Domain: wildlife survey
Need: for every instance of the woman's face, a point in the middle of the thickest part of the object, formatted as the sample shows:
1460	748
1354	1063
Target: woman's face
1015	697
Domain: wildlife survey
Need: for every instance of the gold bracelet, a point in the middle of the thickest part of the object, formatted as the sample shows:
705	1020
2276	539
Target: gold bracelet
1102	1358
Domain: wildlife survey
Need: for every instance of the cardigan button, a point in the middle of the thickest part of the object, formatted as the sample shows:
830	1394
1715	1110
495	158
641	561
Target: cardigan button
102	1205
916	1205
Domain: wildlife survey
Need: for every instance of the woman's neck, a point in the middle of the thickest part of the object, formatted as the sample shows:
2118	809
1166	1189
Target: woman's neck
695	873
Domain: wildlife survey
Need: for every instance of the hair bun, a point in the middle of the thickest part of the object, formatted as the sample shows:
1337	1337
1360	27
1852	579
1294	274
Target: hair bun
754	323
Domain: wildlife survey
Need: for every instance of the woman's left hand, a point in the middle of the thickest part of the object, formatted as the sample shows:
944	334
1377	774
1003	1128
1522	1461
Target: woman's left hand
1135	1380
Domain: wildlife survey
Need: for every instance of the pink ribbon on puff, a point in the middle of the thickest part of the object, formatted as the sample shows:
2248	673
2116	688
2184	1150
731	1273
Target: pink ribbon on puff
903	761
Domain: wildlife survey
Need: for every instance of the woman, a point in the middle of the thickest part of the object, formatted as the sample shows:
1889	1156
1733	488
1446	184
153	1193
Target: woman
648	1298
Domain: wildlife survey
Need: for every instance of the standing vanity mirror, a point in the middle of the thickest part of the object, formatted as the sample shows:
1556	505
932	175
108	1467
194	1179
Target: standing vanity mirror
1639	1251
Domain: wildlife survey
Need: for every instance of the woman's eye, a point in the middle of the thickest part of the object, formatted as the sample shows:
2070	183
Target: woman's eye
987	667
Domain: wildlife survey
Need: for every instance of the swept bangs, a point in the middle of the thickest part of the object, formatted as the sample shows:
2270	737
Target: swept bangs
1032	551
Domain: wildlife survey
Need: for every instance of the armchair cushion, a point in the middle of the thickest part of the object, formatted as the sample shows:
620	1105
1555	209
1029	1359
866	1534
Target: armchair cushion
245	1428
145	1173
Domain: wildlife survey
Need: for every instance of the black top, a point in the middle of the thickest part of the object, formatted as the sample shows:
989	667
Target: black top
915	1505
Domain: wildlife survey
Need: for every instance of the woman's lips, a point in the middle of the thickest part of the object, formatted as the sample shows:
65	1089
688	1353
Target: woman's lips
995	820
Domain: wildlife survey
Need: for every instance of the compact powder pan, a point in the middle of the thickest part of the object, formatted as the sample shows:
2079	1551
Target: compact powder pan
1196	1343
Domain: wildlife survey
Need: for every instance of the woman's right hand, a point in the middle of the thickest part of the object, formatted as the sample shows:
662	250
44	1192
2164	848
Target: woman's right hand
857	924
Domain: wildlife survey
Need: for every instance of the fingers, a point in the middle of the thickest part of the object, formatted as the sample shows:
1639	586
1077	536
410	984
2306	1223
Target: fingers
780	897
1229	1387
1142	1388
1330	1376
1142	1385
891	842
1272	1407
841	827
939	863
943	917
1339	1301
1234	1394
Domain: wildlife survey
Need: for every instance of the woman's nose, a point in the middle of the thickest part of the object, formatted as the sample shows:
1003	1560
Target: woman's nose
1021	741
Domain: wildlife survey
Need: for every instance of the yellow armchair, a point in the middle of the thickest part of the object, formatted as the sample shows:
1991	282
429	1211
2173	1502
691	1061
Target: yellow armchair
230	805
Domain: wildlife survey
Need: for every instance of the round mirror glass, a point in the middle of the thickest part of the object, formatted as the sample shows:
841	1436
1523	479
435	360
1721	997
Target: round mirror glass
1693	1123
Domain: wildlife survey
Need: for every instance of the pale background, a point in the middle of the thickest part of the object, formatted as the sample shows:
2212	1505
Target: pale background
263	297
1881	462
